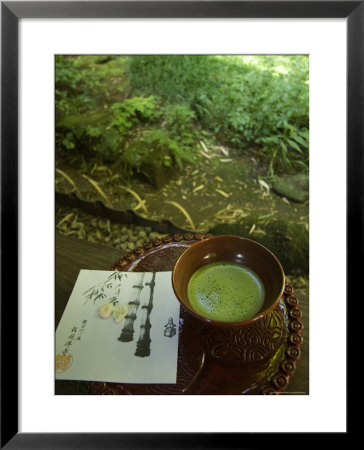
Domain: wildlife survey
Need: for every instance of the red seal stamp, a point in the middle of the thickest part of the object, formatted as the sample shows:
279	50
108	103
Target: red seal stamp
63	362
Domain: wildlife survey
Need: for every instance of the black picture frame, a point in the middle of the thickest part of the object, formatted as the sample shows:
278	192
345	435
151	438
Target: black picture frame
11	12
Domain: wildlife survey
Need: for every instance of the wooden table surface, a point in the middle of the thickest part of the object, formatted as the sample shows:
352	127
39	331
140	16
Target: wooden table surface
72	255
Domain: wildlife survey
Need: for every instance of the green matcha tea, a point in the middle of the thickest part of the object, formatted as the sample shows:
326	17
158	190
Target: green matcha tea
226	291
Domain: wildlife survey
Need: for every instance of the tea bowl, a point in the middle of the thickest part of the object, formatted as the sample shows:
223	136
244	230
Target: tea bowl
235	249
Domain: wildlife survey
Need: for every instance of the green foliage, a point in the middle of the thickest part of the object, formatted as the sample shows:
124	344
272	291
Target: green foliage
87	83
104	134
132	110
243	102
156	147
138	133
288	148
179	121
112	106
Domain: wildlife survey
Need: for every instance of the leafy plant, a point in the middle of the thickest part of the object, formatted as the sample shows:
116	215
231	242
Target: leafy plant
179	121
138	133
243	102
156	147
109	106
132	111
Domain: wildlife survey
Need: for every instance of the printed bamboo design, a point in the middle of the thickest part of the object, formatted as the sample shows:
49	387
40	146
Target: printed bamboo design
143	344
127	332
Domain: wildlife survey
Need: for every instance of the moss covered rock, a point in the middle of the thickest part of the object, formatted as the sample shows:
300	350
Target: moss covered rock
294	187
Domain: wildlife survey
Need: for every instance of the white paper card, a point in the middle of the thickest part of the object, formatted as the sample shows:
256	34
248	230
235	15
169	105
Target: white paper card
141	348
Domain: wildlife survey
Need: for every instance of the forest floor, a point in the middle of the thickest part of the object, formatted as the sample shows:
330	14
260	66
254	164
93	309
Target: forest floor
220	188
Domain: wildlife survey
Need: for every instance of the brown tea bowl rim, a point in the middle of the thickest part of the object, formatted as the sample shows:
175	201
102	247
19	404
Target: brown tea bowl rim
228	324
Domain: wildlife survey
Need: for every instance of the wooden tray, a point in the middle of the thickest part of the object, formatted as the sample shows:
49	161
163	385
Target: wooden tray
259	359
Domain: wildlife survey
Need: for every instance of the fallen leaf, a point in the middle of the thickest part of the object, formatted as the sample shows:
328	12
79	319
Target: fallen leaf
198	188
252	229
224	151
267	216
264	185
224	194
203	145
65	219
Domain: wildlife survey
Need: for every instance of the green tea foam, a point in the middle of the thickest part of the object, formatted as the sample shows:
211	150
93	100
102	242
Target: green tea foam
226	291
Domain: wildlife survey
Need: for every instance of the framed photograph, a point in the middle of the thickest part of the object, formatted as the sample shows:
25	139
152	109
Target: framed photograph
32	33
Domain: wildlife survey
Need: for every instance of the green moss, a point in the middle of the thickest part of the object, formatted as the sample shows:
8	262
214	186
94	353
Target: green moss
84	120
155	156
